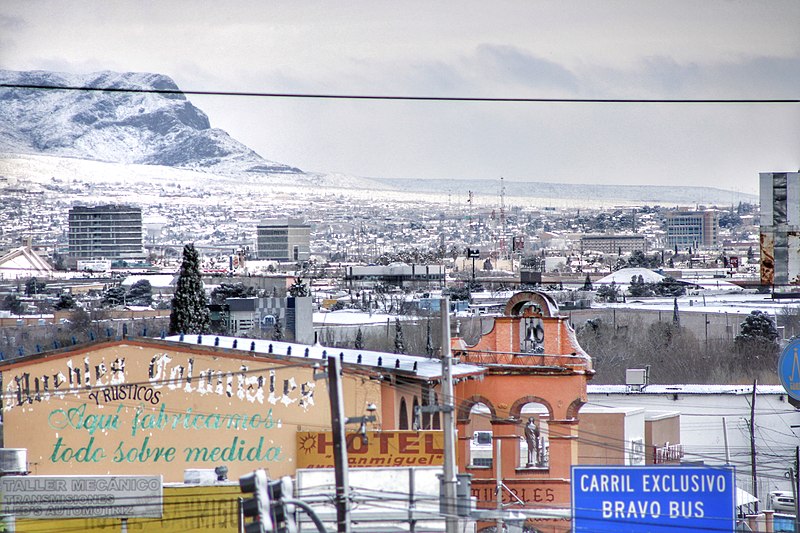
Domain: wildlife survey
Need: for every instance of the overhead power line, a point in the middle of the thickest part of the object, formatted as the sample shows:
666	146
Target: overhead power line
423	98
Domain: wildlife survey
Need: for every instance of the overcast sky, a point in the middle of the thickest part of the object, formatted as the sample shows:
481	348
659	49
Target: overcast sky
578	49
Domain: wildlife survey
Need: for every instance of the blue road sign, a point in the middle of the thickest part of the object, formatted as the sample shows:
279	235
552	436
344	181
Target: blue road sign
653	499
789	369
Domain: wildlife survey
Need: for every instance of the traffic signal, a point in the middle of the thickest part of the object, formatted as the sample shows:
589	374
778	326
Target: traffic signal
257	507
280	493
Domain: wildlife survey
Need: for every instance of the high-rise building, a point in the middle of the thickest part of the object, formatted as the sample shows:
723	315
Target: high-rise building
105	232
283	240
780	229
692	229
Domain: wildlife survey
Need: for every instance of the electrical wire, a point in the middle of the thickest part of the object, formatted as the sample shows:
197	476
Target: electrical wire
324	96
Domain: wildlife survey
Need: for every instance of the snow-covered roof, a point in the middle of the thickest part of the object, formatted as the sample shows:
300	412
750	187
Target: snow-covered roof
714	285
157	281
687	389
622	277
418	366
23	262
354	317
737	303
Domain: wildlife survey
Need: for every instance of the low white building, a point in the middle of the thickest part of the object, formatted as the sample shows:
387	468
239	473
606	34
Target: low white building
708	412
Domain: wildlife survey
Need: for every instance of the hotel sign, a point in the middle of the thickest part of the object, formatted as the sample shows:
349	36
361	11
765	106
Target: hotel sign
376	449
82	496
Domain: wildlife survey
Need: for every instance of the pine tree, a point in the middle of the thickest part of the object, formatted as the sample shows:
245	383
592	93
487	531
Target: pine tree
758	326
298	289
429	340
34	286
65	301
676	317
277	330
587	284
399	343
189	306
140	293
359	344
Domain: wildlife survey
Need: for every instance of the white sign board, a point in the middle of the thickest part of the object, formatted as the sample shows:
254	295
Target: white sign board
82	496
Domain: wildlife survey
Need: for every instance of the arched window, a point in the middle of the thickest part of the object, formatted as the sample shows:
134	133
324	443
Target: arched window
436	423
403	422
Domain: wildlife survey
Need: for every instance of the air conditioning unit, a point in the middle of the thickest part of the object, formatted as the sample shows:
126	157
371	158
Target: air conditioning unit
13	461
636	377
199	476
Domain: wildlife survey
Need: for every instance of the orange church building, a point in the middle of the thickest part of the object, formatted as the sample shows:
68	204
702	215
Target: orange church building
534	369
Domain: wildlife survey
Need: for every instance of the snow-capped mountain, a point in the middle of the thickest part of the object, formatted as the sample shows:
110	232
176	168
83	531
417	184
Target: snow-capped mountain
160	134
119	127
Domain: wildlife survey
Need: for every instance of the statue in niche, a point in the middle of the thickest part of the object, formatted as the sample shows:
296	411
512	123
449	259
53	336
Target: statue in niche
533	340
532	438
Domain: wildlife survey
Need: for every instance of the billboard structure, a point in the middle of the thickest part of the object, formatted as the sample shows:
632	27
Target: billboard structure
82	496
655	499
780	230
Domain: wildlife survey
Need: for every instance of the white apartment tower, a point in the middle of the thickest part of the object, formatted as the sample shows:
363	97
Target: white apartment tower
105	232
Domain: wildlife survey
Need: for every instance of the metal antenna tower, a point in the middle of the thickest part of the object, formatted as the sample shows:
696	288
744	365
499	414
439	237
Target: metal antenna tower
503	244
469	201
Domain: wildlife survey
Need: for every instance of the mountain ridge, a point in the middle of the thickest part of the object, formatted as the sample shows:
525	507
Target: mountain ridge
119	127
167	130
646	194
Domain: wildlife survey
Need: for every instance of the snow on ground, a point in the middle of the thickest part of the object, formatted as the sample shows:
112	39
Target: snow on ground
354	317
715	303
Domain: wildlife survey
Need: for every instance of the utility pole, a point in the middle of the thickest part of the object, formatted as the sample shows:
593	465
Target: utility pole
498	474
725	436
796	489
448	423
753	444
342	498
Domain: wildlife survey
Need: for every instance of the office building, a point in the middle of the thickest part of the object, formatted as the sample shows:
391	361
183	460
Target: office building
283	240
693	229
398	274
613	244
106	232
780	229
293	313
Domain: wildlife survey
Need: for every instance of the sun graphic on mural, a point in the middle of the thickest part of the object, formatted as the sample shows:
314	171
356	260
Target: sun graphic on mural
308	443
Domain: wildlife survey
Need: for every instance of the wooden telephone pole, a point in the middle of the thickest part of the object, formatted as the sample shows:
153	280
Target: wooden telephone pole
342	498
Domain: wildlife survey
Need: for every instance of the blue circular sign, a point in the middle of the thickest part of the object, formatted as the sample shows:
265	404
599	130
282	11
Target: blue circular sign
789	369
